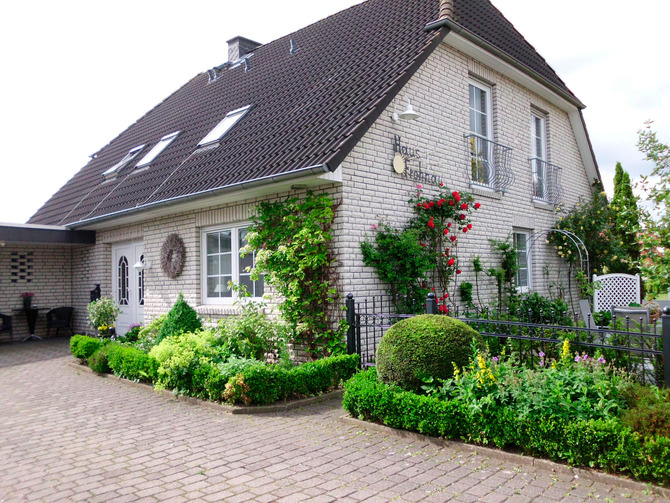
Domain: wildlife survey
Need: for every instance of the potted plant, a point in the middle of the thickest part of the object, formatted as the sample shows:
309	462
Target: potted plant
102	314
27	298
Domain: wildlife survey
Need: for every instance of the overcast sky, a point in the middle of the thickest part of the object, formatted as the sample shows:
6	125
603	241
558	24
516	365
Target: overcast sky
77	73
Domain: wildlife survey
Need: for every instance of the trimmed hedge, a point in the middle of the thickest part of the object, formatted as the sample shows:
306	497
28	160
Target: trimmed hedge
266	384
83	346
605	445
132	363
99	361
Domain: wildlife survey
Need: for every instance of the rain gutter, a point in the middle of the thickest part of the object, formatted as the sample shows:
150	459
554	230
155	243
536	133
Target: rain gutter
247	184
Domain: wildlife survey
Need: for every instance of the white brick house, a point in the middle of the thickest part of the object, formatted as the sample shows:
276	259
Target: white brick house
321	102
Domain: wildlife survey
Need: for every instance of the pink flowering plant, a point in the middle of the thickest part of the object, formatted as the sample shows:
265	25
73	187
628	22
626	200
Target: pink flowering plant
441	221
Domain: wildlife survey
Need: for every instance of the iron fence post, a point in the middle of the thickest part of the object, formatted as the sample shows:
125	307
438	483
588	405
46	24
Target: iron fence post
351	321
431	304
666	344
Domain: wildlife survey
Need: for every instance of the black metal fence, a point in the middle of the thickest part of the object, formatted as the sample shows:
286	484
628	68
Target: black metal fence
626	343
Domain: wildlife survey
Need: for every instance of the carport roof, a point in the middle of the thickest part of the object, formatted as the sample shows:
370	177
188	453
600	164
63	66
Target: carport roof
43	234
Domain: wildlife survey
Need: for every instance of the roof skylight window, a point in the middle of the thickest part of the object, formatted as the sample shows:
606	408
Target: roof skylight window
114	170
224	126
156	151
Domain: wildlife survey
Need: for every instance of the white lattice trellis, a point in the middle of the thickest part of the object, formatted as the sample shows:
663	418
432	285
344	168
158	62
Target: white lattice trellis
616	290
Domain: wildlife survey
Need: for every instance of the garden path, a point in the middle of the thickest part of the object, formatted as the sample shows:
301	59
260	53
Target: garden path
67	435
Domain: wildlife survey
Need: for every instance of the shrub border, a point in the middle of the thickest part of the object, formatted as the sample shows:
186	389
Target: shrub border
220	407
366	397
519	459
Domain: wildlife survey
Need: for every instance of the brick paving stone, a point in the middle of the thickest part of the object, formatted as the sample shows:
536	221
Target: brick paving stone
107	441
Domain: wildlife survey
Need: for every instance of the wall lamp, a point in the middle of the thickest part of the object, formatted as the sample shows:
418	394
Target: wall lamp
408	115
141	265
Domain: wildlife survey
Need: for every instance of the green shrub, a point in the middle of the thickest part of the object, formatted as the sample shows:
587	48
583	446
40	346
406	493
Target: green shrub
83	346
132	363
251	334
214	377
131	335
179	358
422	347
265	384
649	410
600	444
99	361
180	319
542	309
148	335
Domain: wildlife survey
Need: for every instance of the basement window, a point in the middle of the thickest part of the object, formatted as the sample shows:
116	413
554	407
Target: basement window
224	126
156	151
114	170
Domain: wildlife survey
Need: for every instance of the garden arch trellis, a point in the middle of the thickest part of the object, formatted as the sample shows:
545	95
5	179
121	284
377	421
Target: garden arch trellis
576	241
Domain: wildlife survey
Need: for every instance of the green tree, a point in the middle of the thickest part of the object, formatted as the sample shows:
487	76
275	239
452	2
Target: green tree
626	219
655	263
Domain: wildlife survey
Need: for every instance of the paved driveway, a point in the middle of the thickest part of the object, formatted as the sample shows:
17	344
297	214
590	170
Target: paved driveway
66	435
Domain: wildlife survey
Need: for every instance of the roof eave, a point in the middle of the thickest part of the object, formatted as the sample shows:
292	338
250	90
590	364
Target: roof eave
318	169
472	37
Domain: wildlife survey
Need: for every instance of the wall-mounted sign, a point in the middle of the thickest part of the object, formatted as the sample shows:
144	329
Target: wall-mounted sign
409	162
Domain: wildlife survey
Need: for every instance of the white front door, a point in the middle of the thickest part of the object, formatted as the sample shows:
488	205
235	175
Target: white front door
128	284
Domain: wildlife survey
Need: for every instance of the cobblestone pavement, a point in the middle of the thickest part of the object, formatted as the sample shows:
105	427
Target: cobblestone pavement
66	435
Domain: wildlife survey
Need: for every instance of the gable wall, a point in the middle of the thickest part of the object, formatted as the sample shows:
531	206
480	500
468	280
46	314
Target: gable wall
439	92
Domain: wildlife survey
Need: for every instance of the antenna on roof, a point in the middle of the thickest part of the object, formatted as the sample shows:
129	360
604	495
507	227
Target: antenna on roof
293	48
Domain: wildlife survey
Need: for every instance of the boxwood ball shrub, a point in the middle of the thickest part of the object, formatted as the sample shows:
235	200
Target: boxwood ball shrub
424	346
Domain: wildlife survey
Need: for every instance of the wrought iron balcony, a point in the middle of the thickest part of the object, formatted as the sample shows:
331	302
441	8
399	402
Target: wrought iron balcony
490	162
546	181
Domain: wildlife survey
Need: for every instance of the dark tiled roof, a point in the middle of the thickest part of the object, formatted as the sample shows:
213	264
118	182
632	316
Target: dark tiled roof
309	108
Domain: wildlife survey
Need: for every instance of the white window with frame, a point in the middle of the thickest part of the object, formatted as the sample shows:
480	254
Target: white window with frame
231	118
222	263
538	136
523	259
127	159
481	134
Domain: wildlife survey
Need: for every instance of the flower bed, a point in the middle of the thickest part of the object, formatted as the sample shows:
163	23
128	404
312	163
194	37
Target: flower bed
231	380
579	412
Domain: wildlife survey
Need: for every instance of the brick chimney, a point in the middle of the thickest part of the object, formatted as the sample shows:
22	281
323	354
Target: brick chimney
239	47
446	9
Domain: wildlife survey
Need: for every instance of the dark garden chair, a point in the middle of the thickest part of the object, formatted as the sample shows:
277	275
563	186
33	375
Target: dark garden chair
58	318
6	326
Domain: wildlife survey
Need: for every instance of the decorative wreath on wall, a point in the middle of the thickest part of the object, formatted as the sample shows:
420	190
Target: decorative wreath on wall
173	256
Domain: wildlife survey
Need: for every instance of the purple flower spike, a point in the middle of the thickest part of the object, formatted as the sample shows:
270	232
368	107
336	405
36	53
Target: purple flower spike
601	359
577	359
585	358
541	354
495	358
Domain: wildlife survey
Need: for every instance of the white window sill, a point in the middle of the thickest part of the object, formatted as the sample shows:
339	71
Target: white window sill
541	204
217	310
485	191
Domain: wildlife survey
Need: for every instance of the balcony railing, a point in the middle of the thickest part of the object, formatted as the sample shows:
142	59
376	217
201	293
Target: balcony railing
546	181
490	162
